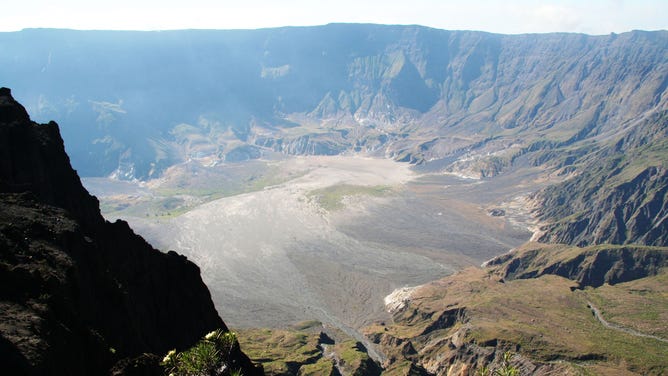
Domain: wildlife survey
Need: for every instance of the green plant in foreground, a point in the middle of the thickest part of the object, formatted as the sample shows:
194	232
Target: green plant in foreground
210	356
506	368
482	371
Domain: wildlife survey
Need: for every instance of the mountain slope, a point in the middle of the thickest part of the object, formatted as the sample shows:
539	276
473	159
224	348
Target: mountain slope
78	293
541	304
619	196
585	114
138	102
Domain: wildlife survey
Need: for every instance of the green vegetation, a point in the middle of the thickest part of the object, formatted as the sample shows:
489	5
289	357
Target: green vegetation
308	324
641	305
401	368
627	171
183	190
545	317
353	358
323	366
209	355
304	350
281	352
506	369
331	198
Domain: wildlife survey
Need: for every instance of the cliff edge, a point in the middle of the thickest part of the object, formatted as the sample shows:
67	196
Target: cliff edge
78	294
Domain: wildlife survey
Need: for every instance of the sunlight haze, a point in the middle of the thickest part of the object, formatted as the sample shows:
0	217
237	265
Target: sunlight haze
508	17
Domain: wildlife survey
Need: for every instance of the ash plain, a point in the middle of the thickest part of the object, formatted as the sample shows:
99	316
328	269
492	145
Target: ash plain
314	237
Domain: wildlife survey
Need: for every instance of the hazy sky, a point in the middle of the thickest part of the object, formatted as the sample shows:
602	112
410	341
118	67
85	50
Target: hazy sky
505	16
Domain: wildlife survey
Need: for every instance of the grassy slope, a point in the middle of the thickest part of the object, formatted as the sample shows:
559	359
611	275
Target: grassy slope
594	192
303	350
641	305
281	352
542	318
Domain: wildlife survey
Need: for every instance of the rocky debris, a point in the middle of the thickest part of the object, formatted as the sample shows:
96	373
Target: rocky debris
496	212
317	144
79	294
398	299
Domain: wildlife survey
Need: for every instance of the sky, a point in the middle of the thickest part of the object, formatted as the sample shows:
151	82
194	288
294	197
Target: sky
505	16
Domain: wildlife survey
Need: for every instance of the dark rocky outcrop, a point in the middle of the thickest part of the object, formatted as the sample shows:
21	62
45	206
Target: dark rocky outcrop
589	267
79	294
33	158
446	319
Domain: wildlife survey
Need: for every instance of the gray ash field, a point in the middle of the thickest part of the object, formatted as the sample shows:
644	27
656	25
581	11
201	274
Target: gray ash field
331	239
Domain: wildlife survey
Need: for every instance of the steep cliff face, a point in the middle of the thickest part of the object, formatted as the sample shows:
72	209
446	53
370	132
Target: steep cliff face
79	294
33	159
619	196
632	212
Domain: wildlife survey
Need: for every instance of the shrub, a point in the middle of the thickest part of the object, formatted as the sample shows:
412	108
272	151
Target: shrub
210	356
506	368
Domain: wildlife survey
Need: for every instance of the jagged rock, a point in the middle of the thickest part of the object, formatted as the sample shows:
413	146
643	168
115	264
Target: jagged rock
78	293
496	212
33	158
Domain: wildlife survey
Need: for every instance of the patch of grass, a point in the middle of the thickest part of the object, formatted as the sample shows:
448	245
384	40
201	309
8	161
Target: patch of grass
641	305
654	154
549	321
401	368
322	367
331	198
300	352
308	324
351	355
281	352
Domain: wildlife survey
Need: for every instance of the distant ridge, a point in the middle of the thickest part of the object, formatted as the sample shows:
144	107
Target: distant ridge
453	100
